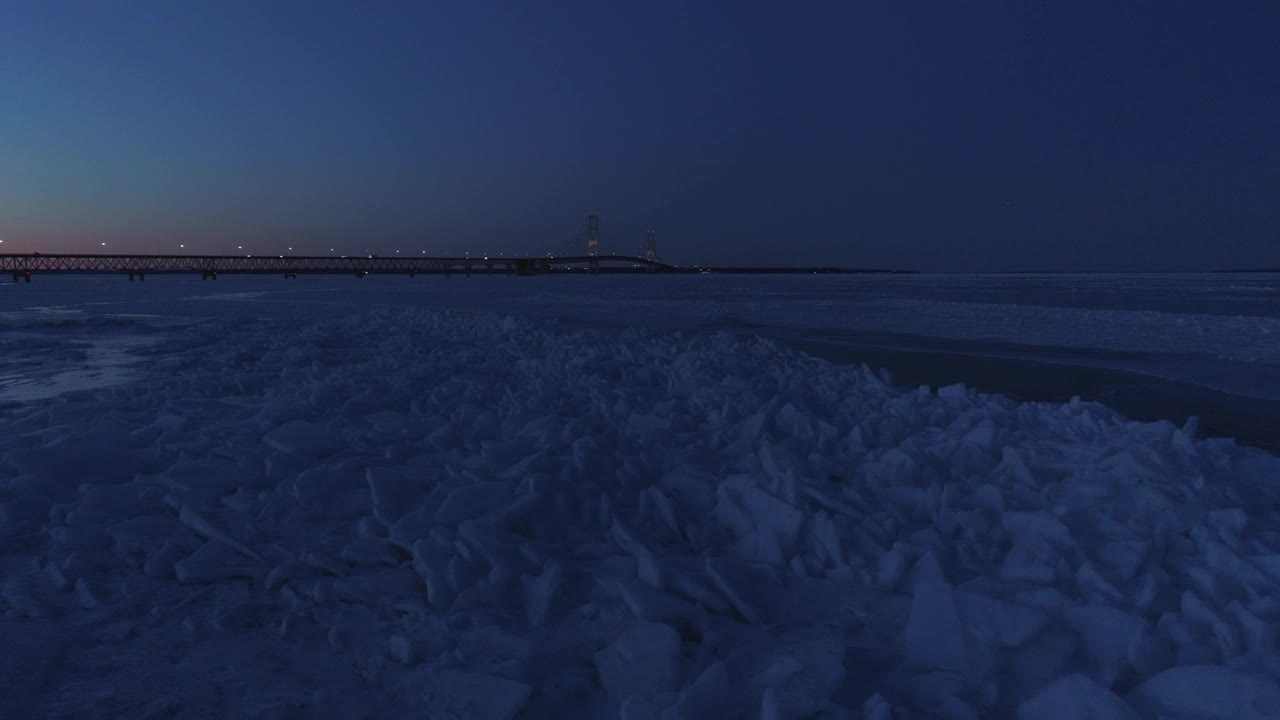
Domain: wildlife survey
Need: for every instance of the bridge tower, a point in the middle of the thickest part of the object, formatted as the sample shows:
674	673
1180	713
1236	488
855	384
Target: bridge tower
593	235
651	246
593	241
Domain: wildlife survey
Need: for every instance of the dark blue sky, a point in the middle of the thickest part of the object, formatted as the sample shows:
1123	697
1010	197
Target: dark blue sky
953	134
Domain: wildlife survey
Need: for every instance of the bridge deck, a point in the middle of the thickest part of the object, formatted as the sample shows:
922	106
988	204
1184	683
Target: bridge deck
24	265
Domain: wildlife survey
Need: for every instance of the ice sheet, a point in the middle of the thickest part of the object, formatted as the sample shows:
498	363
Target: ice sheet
296	506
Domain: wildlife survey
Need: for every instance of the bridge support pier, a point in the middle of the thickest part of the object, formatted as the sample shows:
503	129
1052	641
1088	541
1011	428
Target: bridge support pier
290	275
208	275
139	273
19	276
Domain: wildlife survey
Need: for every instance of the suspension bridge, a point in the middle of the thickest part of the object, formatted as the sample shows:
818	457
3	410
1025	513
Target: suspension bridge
22	266
568	259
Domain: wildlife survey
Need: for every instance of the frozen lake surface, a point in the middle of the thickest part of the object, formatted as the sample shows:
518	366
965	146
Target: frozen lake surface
1153	346
633	496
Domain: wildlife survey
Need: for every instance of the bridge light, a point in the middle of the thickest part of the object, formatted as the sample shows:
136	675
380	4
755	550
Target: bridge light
104	244
181	245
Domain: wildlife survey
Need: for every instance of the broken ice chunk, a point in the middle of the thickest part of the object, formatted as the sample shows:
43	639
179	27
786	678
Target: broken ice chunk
473	500
1107	633
1002	622
540	594
453	693
1232	520
644	661
709	695
400	650
394	493
935	636
305	439
1207	692
1075	697
214	562
647	603
752	588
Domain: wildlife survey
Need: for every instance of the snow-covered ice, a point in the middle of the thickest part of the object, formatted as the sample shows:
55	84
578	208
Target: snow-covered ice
283	507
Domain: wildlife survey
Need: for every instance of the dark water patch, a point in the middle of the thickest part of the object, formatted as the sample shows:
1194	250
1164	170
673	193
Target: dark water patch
1251	421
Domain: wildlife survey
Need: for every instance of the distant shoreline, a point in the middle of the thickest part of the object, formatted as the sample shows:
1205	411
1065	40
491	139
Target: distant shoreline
751	270
791	271
1096	272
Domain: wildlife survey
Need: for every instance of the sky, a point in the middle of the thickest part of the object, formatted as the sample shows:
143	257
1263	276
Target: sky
944	135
